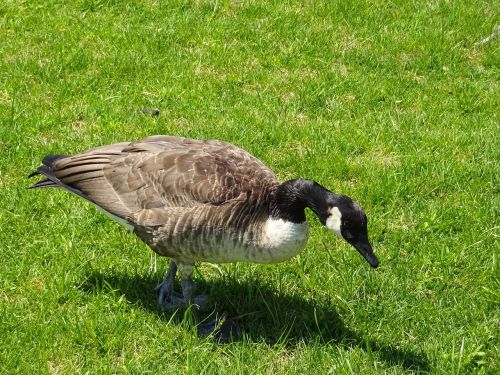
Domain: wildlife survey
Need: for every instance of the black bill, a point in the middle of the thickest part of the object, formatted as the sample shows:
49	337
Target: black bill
365	249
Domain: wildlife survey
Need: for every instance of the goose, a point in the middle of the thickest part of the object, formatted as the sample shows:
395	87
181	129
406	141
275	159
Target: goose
203	201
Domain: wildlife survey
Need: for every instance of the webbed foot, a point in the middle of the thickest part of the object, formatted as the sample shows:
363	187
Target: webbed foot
169	300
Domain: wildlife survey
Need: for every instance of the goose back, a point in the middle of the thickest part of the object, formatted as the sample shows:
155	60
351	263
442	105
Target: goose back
163	172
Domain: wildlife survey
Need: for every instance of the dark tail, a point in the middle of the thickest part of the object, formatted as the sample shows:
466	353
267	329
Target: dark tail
50	178
46	170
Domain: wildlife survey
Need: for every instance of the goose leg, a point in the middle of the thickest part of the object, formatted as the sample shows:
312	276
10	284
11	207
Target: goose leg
223	329
168	299
189	287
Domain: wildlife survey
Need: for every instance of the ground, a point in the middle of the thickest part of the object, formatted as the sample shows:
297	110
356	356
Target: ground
392	103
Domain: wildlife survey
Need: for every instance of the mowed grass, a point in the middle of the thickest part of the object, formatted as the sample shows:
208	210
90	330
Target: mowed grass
391	103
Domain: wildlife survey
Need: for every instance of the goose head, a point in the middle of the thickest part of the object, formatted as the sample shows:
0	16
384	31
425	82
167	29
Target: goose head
347	219
339	213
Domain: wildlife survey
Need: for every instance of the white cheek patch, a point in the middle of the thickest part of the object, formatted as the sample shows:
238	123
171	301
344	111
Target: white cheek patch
334	220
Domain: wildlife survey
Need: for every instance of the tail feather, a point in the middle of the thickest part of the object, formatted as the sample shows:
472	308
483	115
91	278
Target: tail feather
47	162
50	159
42	184
33	174
51	180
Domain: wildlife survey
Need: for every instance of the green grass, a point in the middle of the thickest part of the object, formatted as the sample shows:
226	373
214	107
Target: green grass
391	103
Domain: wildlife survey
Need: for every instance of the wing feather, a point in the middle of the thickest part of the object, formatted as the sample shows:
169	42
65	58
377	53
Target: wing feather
163	172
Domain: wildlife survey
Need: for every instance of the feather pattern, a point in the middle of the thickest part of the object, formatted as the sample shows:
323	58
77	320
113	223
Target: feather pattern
187	199
203	201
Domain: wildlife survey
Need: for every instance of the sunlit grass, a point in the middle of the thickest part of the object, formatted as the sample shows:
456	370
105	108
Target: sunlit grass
392	104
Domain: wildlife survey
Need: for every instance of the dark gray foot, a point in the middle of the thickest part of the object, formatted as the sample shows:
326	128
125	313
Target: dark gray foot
188	289
222	329
200	301
169	300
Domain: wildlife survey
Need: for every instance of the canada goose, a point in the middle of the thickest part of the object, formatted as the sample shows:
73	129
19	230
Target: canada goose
193	200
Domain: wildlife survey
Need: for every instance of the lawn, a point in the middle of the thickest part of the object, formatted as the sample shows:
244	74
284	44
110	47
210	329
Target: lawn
392	103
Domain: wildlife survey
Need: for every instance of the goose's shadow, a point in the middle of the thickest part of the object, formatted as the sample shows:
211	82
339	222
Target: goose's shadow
263	314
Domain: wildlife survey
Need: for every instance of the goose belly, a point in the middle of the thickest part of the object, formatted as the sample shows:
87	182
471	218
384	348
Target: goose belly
270	242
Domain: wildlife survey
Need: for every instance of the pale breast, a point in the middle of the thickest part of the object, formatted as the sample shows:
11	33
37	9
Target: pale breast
269	241
282	239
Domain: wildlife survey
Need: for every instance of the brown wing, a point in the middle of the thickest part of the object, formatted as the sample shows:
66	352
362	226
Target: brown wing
163	171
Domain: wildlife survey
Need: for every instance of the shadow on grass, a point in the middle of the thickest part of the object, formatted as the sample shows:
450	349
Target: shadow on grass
263	315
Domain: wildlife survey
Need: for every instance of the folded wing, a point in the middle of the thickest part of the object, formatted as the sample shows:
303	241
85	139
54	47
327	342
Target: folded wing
159	172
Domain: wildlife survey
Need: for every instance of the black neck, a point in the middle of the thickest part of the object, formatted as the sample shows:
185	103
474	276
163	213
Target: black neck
292	197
